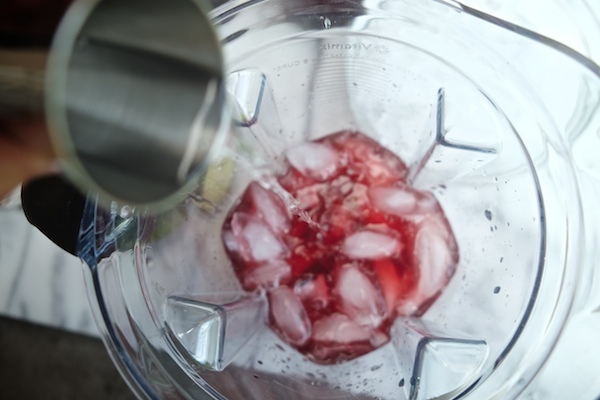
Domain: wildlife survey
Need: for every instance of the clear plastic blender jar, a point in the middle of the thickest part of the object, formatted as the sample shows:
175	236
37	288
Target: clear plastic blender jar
486	116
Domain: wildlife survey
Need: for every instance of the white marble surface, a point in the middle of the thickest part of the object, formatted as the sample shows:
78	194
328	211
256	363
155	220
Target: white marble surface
39	282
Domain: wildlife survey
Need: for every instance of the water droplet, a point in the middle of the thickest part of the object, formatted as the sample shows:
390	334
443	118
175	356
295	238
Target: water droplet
488	215
497	290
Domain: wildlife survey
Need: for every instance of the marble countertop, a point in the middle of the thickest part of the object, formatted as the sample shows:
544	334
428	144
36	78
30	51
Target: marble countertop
39	282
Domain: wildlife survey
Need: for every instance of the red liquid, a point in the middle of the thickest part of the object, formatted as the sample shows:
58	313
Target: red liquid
377	248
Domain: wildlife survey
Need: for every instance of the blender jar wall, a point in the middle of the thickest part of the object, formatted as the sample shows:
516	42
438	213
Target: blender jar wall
142	264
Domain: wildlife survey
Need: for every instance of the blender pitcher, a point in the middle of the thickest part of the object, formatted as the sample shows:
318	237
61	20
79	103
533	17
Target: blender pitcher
486	116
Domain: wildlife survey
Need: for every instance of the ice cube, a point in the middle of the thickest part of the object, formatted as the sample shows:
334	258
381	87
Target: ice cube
270	207
375	164
393	201
268	275
357	147
339	328
392	285
410	306
436	257
427	204
383	170
314	159
435	250
230	241
403	202
358	297
289	316
378	339
255	240
369	245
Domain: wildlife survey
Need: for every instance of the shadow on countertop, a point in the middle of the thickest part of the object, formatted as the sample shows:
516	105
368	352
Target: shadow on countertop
44	363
